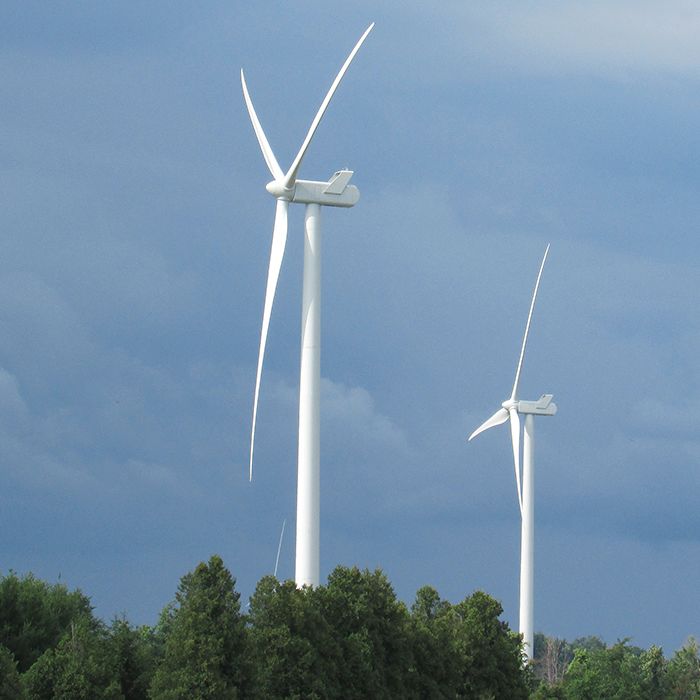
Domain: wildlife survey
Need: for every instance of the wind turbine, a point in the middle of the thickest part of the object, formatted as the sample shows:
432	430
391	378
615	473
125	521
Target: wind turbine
510	409
279	548
286	188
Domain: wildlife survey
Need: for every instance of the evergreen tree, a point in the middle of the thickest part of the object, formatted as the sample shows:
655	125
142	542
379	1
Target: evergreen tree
371	628
292	647
204	656
131	653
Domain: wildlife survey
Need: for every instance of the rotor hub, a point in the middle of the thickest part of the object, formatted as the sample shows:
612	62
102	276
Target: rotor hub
277	189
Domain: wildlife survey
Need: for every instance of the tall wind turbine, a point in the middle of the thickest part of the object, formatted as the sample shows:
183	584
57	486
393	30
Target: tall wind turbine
286	188
510	409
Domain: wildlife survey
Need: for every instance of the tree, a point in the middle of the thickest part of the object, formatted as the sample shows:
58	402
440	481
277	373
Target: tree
545	691
491	657
204	655
34	615
132	656
78	668
654	669
684	672
613	673
435	660
10	684
590	643
551	659
292	647
370	627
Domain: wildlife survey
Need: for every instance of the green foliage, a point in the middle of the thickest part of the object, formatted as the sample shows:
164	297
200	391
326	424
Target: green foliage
608	674
684	672
590	643
654	674
132	658
78	668
10	684
619	672
349	639
204	650
292	647
354	639
435	672
371	630
545	691
490	654
34	615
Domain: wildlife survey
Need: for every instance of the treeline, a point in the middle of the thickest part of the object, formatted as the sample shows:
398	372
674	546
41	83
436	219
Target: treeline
351	638
587	669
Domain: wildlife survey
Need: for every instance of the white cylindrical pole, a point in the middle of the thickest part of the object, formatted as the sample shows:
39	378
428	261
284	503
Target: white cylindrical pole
527	539
308	475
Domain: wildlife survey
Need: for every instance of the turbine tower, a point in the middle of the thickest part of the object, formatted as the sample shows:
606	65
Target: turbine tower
286	188
510	409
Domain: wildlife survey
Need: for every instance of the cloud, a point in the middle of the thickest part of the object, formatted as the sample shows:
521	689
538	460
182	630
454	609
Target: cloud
674	420
132	278
608	38
352	420
12	405
618	40
29	442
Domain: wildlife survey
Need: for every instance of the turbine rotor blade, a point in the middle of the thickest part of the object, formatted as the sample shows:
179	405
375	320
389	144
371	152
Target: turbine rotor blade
501	416
514	393
279	240
269	156
279	547
291	175
515	439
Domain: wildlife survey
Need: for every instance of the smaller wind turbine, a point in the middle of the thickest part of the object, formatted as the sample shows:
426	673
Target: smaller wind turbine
510	409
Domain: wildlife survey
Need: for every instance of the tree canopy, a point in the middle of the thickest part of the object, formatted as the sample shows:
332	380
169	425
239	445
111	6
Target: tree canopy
588	669
204	655
350	638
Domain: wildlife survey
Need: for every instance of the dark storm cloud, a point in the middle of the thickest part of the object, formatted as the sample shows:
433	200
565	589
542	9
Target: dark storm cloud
136	234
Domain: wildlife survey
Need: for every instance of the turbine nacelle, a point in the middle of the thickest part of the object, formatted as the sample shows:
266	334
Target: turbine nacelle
334	193
544	406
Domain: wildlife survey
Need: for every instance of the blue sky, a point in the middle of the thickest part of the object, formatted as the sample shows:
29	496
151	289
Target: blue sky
136	232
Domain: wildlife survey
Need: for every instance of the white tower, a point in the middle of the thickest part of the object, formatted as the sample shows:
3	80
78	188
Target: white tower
337	192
